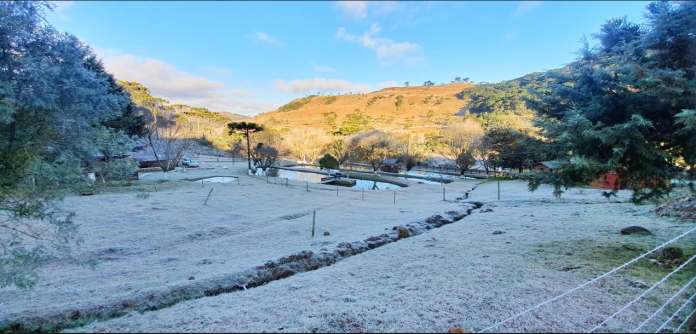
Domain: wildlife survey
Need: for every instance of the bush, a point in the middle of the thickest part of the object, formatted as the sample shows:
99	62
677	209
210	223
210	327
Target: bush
328	162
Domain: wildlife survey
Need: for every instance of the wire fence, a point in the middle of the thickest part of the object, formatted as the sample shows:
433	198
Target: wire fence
601	277
390	195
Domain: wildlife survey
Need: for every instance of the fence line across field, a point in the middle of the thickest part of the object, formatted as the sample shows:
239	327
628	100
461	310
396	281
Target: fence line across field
685	320
665	305
586	283
643	294
676	314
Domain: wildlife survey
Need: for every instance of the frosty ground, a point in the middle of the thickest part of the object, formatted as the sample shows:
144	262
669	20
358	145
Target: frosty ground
157	256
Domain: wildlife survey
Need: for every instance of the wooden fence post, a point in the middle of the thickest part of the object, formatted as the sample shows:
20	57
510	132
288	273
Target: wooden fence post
206	199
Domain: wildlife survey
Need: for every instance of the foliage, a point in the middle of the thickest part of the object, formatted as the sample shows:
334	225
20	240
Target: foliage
373	100
399	101
330	99
355	122
296	104
626	105
328	162
338	148
55	100
464	161
245	128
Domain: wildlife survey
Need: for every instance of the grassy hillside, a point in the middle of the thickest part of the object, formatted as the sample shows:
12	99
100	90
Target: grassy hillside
421	109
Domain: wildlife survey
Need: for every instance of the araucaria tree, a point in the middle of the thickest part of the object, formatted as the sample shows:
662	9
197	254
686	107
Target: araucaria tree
627	105
246	128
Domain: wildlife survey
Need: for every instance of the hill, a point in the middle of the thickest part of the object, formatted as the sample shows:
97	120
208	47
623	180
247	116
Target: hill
421	109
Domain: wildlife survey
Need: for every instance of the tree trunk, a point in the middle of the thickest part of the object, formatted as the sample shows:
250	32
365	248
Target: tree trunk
248	150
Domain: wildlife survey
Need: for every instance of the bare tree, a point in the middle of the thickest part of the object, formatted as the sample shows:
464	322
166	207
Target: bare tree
457	142
338	148
372	146
483	151
264	156
166	144
306	144
410	148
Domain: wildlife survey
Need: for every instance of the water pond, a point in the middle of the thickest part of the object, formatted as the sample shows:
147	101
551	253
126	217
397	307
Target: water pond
316	178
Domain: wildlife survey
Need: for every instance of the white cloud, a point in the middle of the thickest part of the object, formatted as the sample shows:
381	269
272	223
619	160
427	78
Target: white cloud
265	38
323	69
218	70
526	6
358	10
243	92
319	85
354	9
165	80
387	50
510	36
384	7
387	84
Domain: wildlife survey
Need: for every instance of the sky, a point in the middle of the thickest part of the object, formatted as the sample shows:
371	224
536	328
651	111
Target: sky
252	57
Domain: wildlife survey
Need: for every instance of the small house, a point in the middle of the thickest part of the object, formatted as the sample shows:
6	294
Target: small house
546	166
391	166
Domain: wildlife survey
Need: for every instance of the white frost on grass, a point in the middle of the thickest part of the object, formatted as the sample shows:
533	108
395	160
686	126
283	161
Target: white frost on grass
461	275
170	244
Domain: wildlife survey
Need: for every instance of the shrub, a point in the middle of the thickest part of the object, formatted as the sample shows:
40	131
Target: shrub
328	162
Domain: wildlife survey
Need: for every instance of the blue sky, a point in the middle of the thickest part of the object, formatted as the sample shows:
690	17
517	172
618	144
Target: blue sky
251	57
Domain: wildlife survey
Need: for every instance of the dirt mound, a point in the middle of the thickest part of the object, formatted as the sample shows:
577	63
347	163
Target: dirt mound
682	208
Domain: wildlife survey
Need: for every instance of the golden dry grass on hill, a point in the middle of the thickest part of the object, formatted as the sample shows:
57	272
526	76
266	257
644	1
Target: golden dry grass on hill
423	109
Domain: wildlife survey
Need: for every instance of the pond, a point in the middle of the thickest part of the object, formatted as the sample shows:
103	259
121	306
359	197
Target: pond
220	179
316	178
423	181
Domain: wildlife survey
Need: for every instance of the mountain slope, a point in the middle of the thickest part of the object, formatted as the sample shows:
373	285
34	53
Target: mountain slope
421	109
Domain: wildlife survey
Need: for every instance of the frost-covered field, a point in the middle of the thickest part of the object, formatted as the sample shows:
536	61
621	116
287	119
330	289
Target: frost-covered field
460	275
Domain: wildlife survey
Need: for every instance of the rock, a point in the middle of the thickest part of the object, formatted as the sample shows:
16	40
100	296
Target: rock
671	253
636	284
498	232
635	230
326	233
87	193
570	267
191	278
459	330
630	247
404	232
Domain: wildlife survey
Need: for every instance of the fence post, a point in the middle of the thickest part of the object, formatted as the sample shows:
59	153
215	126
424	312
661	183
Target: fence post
206	199
443	193
314	222
237	180
307	185
498	190
336	190
202	186
394	196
